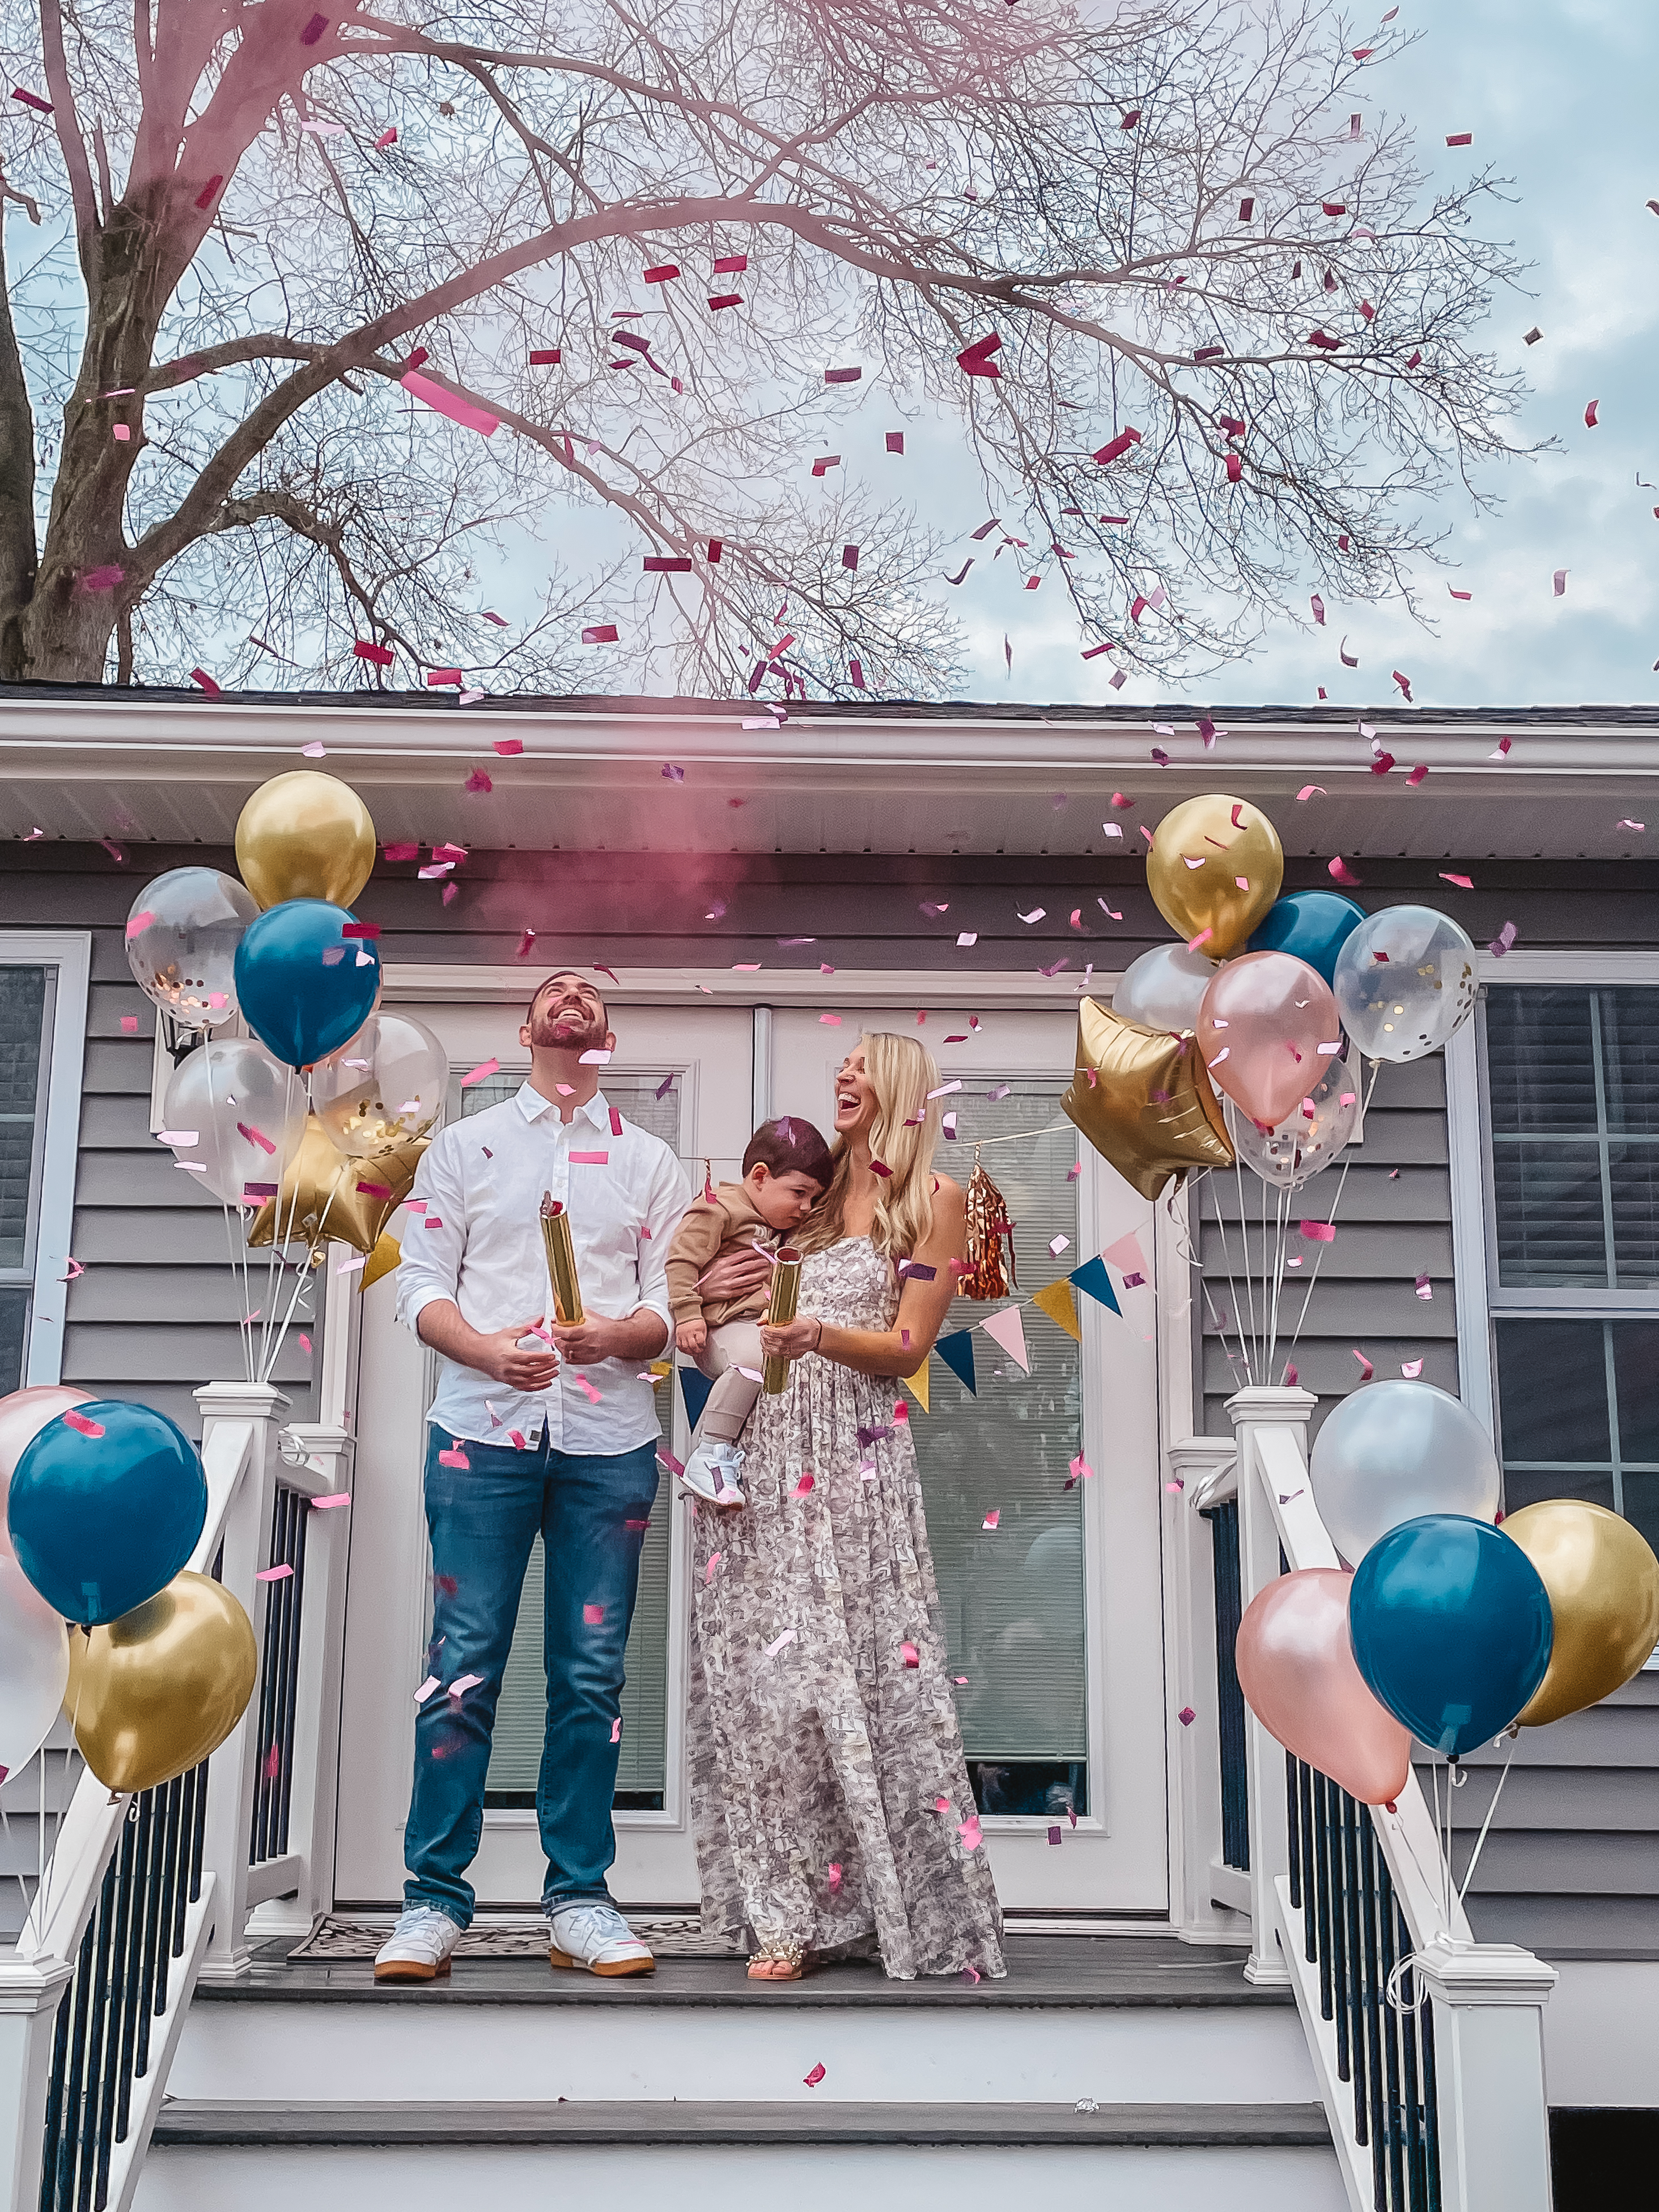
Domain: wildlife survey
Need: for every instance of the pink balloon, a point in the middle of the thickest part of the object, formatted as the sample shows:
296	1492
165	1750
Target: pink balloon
1268	1029
1295	1667
23	1414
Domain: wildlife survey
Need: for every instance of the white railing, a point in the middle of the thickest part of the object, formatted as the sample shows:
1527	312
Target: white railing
146	1892
1458	2095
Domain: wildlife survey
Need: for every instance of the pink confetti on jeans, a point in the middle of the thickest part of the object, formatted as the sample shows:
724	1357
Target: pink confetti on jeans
454	1457
616	1729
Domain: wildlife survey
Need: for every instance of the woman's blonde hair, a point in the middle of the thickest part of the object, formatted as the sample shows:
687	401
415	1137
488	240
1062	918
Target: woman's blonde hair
902	1073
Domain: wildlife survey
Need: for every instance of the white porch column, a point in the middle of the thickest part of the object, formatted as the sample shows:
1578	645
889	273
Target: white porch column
30	1992
1251	1411
233	1769
1489	2001
1189	1678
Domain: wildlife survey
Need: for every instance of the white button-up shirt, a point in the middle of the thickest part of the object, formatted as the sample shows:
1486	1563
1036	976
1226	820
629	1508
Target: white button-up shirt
480	1243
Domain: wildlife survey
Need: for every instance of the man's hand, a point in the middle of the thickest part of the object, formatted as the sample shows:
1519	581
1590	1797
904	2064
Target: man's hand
531	1369
691	1336
642	1336
734	1274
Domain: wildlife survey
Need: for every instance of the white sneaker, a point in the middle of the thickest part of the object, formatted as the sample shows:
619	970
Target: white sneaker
712	1472
418	1947
596	1938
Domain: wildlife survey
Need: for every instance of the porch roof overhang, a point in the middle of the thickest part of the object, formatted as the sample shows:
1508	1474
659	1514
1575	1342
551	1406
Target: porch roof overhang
893	777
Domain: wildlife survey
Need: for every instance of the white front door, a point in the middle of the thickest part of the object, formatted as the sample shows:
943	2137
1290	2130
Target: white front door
1053	1612
687	1076
1053	1615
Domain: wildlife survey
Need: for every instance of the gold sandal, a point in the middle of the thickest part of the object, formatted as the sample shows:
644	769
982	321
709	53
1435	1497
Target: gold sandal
791	1957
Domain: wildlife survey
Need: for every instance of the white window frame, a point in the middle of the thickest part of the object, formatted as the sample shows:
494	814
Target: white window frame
1468	1145
67	953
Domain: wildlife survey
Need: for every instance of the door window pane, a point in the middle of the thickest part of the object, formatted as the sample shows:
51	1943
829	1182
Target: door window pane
14	1338
1012	1596
1573	1084
515	1755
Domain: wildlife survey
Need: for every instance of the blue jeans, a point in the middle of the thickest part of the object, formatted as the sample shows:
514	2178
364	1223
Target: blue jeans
590	1510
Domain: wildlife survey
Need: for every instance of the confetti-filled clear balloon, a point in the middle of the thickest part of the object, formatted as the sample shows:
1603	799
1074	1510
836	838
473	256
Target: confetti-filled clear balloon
1405	981
384	1087
1164	988
182	936
234	1117
1308	1139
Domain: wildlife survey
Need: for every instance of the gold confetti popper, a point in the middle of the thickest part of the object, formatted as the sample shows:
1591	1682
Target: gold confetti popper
786	1296
560	1262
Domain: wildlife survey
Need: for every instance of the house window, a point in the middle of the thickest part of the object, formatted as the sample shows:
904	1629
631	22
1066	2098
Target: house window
1573	1095
26	995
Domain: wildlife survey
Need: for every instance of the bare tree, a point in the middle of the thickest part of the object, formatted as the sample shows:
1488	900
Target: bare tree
1203	331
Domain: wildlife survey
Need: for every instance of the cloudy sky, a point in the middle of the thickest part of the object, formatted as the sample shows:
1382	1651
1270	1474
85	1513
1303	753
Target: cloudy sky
1558	94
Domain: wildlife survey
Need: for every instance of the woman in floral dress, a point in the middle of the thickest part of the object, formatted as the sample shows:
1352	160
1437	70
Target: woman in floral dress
829	1791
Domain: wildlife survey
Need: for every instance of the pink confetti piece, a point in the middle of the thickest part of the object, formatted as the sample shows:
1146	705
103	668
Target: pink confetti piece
834	1877
273	1574
1502	942
992	1519
714	1559
908	1655
807	1483
616	1729
778	1643
1410	1369
970	1832
1341	872
481	1072
593	1397
593	1615
1463	882
82	1426
450	403
426	1689
335	1498
590	1159
304	1342
1185	1716
817	2075
454	1456
1366	1371
462	1683
1589	414
1559	581
1319	1232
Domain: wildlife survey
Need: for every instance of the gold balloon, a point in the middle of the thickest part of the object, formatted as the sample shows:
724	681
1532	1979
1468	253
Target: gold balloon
1230	840
305	835
1603	1584
325	1195
388	1254
1149	1109
154	1693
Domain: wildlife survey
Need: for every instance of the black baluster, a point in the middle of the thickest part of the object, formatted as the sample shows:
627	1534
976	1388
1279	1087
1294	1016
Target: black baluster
1322	1803
1341	1804
1293	1831
154	1879
122	1868
1304	1815
1431	2107
1359	1818
1375	2008
170	1877
1414	2114
298	1509
199	1832
141	1822
92	2102
69	2139
1386	1954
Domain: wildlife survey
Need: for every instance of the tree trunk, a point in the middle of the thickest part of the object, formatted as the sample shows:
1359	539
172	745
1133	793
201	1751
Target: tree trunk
17	545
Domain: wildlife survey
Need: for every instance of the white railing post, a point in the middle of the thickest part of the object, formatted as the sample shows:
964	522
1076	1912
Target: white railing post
234	1766
1489	2001
316	1462
1251	1411
1197	1463
30	1994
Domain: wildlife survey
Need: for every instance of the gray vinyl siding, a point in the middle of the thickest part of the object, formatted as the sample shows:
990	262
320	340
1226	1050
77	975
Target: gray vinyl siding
1392	1223
1570	1869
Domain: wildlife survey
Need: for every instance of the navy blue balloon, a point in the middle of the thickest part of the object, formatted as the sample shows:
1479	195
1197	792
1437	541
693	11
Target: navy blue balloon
1451	1628
1312	925
305	988
101	1523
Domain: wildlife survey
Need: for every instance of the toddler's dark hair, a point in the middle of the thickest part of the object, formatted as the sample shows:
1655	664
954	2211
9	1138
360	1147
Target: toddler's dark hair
790	1146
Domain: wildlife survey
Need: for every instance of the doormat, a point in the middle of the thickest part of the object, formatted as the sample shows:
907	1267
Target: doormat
335	1937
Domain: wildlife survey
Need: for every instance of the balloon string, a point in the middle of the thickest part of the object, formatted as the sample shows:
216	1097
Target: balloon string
238	1260
1244	1240
278	1241
1319	1256
304	1272
1480	1840
1232	1287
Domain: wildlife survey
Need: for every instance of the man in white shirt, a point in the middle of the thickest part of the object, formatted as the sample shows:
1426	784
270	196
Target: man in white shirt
535	1429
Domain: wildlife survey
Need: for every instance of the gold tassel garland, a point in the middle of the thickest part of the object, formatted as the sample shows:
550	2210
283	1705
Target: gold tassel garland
988	1227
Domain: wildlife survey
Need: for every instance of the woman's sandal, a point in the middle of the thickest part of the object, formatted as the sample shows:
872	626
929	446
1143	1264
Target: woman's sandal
786	1964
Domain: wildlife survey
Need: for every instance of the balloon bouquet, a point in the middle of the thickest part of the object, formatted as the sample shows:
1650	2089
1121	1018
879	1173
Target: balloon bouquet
1267	1001
101	1505
314	1125
1446	1628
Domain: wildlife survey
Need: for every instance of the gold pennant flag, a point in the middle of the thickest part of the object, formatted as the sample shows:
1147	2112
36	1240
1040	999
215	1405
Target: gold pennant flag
916	1384
1058	1302
386	1255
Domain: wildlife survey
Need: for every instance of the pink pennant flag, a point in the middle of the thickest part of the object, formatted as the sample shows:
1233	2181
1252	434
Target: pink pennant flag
447	403
1006	1329
1125	1256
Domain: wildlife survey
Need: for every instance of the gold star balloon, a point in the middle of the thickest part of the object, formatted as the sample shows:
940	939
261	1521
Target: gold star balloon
1143	1100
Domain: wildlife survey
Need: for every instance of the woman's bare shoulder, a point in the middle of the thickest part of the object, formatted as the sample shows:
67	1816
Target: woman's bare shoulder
946	1188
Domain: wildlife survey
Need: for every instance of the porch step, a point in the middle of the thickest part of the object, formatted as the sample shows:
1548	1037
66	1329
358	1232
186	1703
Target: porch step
734	2156
1142	2021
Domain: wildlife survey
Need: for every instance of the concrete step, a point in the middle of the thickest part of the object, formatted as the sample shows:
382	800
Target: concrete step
732	2155
1140	2021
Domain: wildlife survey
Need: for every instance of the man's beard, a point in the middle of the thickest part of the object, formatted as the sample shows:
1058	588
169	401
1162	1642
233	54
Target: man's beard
568	1030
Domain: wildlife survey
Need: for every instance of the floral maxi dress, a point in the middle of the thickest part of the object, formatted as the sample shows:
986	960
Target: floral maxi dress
829	1791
